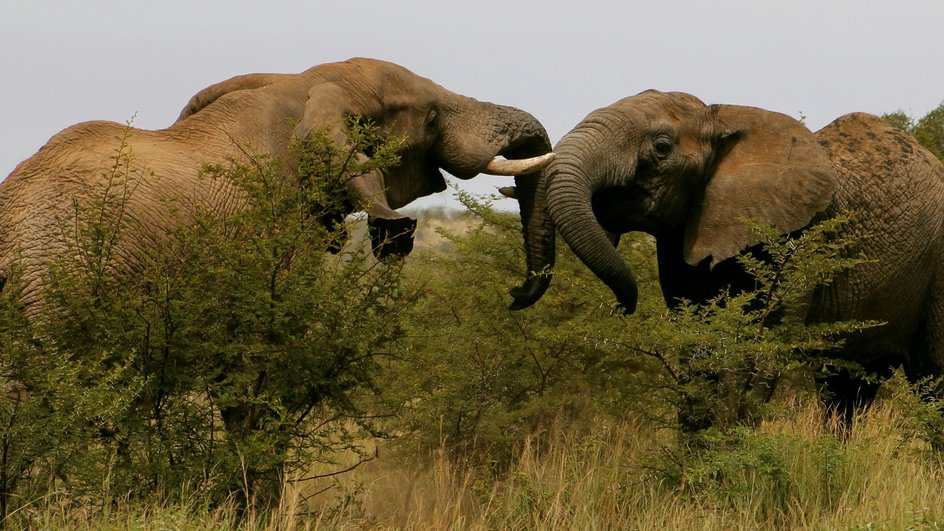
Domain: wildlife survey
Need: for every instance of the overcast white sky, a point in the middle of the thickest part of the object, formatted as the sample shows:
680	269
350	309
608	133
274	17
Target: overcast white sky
66	62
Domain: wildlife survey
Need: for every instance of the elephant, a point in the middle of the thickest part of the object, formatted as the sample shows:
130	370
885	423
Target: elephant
263	114
690	174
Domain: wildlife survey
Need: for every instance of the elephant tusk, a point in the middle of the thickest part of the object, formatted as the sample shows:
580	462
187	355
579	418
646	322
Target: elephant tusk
510	192
500	166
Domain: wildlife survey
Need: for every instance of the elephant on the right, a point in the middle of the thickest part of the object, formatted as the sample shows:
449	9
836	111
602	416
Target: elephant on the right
690	174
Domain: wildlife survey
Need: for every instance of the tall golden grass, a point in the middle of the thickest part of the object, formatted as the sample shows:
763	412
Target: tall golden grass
608	478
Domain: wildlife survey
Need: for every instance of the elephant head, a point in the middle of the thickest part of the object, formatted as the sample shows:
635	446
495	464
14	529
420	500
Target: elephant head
685	172
442	130
265	113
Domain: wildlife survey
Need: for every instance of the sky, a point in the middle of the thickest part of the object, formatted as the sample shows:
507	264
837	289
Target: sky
66	62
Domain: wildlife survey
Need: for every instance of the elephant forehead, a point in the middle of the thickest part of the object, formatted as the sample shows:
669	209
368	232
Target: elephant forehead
387	84
398	86
653	104
651	111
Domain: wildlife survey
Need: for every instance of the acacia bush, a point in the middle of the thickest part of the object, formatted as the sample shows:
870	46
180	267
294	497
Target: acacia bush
480	379
51	410
723	359
226	365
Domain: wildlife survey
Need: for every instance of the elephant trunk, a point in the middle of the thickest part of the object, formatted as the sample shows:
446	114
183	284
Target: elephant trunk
539	241
570	185
527	138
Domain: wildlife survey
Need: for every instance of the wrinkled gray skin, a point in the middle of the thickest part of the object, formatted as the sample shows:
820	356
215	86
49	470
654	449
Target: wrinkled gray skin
261	114
688	173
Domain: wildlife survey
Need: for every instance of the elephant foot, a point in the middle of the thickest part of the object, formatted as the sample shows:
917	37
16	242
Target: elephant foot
845	394
391	237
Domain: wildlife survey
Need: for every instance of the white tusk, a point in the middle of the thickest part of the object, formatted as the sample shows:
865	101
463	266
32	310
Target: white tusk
510	192
500	166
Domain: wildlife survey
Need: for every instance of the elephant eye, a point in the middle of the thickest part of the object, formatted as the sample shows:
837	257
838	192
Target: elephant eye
662	146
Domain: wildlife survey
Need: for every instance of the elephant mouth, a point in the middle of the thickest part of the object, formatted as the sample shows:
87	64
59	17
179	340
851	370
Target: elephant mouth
435	178
620	209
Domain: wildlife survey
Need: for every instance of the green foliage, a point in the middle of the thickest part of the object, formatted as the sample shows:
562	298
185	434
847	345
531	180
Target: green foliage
744	467
229	362
480	377
51	409
899	120
929	131
721	360
922	412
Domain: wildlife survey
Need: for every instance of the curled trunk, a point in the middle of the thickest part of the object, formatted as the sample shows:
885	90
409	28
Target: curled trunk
539	241
527	139
570	187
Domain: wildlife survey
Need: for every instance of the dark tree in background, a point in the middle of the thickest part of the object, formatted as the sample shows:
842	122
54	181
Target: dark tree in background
929	130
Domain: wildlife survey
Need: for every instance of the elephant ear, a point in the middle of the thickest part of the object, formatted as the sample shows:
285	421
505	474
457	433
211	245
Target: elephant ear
330	103
769	169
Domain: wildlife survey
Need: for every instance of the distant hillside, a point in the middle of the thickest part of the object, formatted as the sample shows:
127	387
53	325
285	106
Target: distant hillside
429	220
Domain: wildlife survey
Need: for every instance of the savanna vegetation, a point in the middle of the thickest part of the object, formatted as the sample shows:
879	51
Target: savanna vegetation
247	379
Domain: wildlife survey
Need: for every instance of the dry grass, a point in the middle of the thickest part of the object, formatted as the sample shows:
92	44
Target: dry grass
426	239
794	473
430	221
611	478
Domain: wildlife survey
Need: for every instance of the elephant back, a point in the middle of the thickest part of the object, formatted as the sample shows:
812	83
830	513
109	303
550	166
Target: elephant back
894	188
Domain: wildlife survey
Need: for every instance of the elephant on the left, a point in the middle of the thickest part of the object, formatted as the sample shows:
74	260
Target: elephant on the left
264	114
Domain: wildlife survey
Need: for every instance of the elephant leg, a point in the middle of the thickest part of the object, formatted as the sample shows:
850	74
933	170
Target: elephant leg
391	233
694	410
391	237
697	397
927	357
844	392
